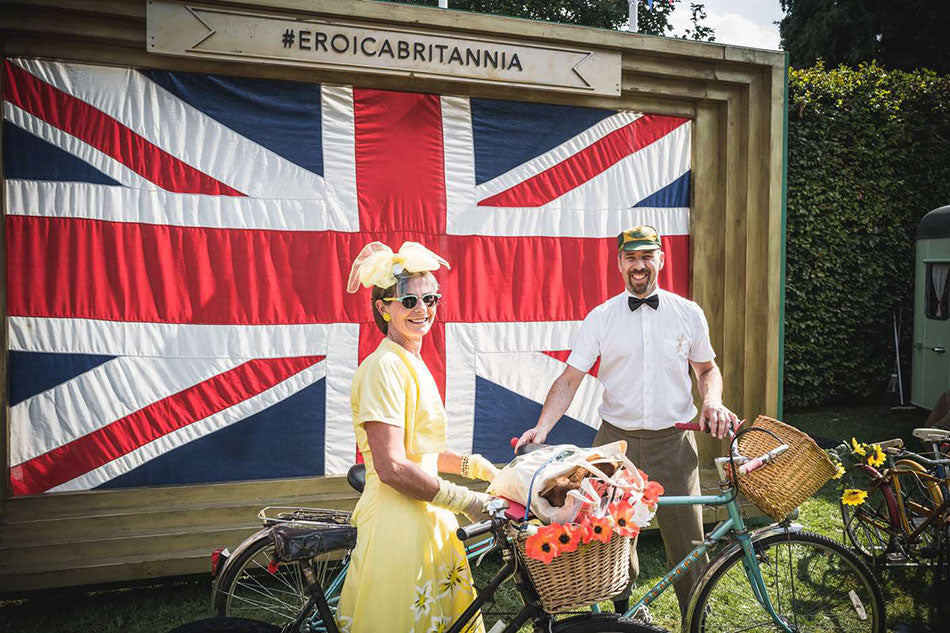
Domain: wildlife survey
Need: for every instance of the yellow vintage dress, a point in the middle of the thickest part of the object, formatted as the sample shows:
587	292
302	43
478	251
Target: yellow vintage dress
408	572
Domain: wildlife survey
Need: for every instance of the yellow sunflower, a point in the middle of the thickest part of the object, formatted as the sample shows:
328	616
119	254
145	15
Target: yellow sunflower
853	497
857	448
839	470
876	458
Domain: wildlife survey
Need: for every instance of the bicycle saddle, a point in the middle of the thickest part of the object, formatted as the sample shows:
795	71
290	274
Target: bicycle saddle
931	435
356	477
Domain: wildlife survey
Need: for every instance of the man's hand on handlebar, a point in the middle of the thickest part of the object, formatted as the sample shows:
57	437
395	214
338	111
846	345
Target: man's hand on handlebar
717	419
534	435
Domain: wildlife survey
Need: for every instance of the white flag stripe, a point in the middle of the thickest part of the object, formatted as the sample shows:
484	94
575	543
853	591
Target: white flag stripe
530	374
339	450
99	397
174	340
633	178
459	160
600	207
556	155
195	430
528	336
159	116
339	156
72	145
556	223
460	386
155	206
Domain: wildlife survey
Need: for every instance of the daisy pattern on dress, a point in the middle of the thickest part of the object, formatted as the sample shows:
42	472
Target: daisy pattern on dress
439	624
452	576
344	622
423	602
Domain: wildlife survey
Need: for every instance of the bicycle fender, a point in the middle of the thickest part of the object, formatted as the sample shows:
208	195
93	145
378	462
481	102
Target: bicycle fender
234	555
725	555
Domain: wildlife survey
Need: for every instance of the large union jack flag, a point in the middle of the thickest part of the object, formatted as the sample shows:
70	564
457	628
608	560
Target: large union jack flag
178	246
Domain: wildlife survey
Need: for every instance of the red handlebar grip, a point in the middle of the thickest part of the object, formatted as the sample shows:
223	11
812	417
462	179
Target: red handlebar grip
513	441
687	426
751	465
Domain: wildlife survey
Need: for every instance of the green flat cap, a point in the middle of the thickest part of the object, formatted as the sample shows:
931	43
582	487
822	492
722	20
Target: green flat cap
639	238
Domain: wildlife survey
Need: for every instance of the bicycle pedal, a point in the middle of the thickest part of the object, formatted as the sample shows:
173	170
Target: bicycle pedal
894	558
643	615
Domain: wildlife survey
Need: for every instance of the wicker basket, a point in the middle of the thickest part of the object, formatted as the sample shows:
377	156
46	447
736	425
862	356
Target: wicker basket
593	572
795	475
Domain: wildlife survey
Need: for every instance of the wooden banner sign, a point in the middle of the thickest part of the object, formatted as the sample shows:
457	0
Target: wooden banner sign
191	30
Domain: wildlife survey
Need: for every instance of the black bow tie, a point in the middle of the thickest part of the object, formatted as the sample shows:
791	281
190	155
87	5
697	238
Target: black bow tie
635	302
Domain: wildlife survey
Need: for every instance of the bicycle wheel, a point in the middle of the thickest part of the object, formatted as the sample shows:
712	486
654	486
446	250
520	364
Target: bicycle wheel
920	499
603	623
814	583
258	587
867	525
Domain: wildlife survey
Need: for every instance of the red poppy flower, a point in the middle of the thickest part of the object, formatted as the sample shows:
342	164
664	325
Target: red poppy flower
644	475
568	537
652	492
542	545
597	529
622	514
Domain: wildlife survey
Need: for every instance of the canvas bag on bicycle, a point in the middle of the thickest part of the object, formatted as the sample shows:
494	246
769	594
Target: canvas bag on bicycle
534	471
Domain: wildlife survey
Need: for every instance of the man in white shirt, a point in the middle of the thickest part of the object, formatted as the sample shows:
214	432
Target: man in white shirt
647	339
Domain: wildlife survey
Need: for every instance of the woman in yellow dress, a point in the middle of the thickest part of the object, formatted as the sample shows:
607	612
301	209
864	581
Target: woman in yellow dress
408	572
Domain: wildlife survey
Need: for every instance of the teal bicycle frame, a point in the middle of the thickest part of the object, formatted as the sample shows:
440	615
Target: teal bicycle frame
734	525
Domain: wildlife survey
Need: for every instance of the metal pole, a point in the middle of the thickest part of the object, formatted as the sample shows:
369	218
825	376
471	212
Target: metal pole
897	354
632	25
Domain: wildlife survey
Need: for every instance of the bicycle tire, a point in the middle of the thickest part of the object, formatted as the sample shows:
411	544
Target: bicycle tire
866	526
226	625
603	623
248	589
830	588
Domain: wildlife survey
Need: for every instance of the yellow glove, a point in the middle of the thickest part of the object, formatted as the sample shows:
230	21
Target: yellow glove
477	467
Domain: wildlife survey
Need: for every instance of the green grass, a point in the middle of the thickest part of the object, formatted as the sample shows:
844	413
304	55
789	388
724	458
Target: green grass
909	592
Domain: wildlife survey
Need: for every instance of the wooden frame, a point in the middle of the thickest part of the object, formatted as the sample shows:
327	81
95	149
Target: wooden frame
736	97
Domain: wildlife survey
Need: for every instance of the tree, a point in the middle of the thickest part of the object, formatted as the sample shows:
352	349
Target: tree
699	31
900	35
606	14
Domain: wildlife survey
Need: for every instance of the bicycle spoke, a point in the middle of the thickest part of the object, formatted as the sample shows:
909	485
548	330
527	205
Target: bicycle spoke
809	583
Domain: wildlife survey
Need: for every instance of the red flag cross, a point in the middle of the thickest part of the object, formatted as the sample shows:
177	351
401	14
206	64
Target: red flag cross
139	272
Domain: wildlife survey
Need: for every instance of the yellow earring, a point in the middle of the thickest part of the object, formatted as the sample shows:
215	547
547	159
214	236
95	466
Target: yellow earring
386	316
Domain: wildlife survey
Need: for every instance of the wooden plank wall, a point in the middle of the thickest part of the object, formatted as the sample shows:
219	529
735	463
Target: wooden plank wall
735	97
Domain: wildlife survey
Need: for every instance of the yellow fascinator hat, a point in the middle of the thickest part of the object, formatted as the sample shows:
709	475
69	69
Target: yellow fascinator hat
378	265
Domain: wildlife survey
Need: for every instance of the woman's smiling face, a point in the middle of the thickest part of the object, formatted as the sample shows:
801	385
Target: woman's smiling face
411	324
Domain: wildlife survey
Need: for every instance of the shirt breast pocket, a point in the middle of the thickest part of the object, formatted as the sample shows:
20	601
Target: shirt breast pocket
676	352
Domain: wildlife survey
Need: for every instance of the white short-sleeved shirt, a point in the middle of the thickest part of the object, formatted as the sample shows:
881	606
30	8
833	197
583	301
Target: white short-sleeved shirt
643	359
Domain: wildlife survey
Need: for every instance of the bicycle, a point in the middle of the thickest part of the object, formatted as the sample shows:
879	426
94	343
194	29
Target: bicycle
777	577
905	518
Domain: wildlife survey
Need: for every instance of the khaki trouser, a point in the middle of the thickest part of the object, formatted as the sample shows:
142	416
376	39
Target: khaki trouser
668	457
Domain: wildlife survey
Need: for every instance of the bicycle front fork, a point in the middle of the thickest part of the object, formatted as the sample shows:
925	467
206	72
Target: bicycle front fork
750	563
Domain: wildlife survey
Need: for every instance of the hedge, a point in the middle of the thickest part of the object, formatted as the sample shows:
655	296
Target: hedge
868	156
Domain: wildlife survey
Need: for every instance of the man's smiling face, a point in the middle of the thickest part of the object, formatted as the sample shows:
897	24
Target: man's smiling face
640	270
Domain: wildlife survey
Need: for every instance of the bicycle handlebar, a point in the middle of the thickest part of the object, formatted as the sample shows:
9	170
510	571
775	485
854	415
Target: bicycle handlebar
526	448
748	465
924	460
474	529
762	460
